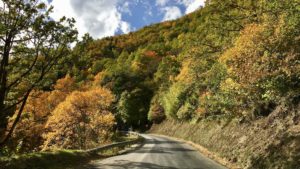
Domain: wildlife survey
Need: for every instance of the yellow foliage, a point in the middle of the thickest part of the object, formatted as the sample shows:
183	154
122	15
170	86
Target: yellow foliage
66	84
82	120
202	110
98	78
31	125
191	70
245	59
137	66
38	108
37	103
185	72
229	85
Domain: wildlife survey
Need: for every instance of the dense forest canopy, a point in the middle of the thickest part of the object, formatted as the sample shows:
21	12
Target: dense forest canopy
229	59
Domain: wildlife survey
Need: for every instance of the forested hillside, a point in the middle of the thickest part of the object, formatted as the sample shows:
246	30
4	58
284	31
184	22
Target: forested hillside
232	60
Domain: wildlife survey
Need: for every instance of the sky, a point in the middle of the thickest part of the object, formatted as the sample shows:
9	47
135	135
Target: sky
101	18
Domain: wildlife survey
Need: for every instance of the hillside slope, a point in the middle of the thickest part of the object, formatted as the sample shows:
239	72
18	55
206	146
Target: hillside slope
226	76
270	142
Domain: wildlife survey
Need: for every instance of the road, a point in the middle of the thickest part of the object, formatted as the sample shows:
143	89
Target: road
159	153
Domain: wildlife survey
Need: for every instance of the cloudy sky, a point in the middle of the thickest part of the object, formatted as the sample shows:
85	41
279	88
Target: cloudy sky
102	18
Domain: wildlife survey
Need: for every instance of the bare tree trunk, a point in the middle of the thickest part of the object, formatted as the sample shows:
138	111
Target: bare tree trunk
8	135
4	113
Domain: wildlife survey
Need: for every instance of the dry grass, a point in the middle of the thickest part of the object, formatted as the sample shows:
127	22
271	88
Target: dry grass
268	142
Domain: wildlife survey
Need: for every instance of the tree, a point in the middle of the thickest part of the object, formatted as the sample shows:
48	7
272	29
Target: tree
265	62
27	135
156	112
81	121
167	70
31	43
133	107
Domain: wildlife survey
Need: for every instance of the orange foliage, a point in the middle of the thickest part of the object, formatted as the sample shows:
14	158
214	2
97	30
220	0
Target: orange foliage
81	121
40	104
65	85
98	78
147	63
150	54
29	130
203	99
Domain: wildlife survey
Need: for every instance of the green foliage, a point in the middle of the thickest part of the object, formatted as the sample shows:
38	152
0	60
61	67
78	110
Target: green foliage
31	44
167	70
173	99
187	110
231	57
156	112
225	58
133	107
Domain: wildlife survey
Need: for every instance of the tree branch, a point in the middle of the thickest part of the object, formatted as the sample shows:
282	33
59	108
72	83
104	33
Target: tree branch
16	120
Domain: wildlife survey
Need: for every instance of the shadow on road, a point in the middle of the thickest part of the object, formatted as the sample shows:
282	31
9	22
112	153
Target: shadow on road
124	164
164	150
162	142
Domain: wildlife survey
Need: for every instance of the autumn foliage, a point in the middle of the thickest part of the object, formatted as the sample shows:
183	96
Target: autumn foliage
81	121
230	59
80	116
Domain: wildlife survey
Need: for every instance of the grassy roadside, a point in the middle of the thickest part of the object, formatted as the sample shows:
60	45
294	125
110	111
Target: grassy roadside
60	159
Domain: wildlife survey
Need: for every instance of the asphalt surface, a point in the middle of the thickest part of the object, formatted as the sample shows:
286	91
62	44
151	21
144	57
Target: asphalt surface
159	153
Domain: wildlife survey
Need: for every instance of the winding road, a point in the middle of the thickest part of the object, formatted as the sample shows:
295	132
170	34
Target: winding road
159	153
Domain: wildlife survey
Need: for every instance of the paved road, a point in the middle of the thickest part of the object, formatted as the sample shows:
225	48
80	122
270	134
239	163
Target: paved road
159	153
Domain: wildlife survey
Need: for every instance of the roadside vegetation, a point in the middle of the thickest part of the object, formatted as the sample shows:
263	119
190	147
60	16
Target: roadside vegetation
71	159
47	160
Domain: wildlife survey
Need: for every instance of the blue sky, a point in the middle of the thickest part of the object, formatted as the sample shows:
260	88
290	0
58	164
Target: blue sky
102	18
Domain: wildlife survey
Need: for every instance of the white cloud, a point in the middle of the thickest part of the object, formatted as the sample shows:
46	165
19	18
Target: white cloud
99	18
161	2
194	6
1	4
102	18
172	13
191	5
125	8
125	27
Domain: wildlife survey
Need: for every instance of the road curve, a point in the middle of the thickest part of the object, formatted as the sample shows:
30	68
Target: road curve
159	153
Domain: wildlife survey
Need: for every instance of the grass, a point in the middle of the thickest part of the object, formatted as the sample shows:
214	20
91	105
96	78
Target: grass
120	137
60	159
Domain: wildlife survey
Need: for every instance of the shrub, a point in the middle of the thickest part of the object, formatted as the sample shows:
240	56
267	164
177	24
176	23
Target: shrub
156	112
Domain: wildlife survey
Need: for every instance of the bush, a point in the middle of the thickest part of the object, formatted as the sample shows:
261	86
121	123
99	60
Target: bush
156	113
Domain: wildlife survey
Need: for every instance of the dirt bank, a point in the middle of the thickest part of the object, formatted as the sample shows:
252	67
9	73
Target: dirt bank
271	142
